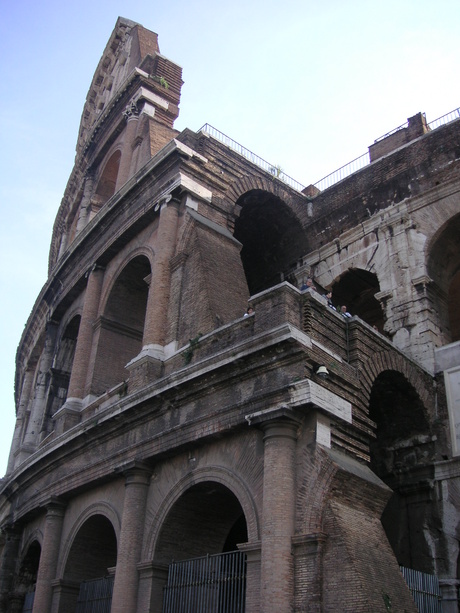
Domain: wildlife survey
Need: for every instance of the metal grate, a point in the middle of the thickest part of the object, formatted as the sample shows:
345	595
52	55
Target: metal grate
211	584
95	596
425	590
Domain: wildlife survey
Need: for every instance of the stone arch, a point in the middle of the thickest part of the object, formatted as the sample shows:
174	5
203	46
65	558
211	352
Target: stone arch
443	267
268	225
110	278
26	576
89	551
107	182
400	405
62	365
97	508
121	324
393	361
356	288
212	474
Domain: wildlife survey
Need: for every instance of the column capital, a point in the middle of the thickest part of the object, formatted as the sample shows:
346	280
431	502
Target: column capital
131	111
283	414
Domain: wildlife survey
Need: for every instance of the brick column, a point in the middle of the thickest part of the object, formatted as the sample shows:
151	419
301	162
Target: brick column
277	568
124	599
8	564
41	388
158	301
131	114
79	373
49	556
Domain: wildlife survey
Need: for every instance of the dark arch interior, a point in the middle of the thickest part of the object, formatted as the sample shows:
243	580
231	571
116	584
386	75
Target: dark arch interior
272	237
444	268
93	550
207	519
27	575
356	289
402	443
107	183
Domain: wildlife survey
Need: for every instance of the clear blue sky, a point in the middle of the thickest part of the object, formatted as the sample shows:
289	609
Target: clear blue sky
306	84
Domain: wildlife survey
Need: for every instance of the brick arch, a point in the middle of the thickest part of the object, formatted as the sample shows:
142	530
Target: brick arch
314	491
252	182
98	508
36	535
218	474
383	361
113	276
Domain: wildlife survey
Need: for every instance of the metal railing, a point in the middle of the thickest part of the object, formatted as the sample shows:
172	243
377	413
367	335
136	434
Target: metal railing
333	177
273	170
214	583
425	590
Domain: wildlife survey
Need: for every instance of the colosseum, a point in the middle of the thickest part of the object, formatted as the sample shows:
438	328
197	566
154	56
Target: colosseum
236	393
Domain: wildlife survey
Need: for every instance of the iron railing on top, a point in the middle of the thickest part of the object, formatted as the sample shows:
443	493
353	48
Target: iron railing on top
328	180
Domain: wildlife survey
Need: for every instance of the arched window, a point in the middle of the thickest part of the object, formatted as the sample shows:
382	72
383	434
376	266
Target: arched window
444	269
272	238
122	325
356	289
106	186
403	442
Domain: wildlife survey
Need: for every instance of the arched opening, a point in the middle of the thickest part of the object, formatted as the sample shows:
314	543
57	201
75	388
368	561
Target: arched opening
92	554
272	237
106	186
444	269
27	575
200	531
122	325
356	289
60	371
403	443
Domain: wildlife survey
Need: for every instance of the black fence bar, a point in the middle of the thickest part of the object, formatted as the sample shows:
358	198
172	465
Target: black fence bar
209	584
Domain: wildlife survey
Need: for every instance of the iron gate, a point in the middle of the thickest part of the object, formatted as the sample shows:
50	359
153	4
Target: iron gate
95	596
425	590
210	584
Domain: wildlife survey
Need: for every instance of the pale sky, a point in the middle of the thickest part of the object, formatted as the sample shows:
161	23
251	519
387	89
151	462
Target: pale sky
305	84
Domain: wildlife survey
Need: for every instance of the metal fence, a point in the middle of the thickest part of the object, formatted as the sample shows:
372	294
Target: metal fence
330	179
95	596
28	603
425	590
210	584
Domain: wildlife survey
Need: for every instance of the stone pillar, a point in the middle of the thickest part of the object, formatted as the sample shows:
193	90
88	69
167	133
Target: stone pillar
85	203
41	388
20	418
131	114
157	307
148	363
89	315
9	560
277	567
124	599
49	556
